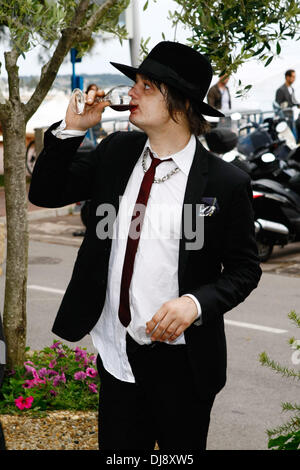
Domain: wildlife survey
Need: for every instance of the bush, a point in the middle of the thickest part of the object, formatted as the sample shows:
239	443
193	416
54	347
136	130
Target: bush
287	436
55	378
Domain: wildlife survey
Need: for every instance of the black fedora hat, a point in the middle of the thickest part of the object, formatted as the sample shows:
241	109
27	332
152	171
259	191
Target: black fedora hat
179	66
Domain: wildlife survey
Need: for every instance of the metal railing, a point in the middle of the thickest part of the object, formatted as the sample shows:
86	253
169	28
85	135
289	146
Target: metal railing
258	116
113	124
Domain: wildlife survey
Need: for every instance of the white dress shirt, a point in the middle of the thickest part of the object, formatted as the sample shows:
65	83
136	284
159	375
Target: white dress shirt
155	275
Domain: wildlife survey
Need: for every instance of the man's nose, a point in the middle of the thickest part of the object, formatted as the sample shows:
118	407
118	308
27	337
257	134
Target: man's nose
133	91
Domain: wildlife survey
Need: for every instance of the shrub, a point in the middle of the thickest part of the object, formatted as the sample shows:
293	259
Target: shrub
287	436
52	379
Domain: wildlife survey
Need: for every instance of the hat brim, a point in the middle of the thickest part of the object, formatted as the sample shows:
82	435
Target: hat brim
131	72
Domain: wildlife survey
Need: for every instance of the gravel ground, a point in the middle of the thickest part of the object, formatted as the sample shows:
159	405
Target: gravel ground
59	430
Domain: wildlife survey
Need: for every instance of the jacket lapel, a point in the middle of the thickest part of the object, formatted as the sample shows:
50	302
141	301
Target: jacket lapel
196	183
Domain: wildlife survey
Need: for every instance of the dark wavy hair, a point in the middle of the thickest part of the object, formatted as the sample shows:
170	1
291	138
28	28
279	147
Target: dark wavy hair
177	102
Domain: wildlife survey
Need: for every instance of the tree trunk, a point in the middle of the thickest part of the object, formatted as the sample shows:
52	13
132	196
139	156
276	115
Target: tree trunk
14	314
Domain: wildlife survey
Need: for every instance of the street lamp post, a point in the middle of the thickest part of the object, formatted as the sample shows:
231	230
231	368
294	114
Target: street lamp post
133	27
76	80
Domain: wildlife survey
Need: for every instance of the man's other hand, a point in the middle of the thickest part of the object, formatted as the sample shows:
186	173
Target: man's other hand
173	317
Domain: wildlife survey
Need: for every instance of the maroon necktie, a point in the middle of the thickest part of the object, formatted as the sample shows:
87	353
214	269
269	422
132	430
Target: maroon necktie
134	237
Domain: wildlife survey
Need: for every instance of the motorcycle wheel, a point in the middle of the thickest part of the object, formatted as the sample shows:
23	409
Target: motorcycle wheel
264	251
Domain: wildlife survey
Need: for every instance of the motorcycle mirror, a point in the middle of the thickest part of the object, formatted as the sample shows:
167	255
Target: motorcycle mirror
236	116
268	157
281	126
228	157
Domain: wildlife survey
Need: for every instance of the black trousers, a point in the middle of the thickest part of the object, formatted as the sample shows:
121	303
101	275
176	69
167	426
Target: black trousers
162	405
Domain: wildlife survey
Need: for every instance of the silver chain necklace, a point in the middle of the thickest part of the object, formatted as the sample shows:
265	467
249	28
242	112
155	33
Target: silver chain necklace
158	180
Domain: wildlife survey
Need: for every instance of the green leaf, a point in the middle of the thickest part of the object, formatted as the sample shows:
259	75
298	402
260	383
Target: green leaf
278	48
259	51
146	5
269	61
278	441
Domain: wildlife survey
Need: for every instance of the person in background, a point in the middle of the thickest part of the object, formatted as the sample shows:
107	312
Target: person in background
285	97
219	95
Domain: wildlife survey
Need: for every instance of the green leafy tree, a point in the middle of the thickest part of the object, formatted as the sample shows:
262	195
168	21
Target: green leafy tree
232	32
58	25
287	436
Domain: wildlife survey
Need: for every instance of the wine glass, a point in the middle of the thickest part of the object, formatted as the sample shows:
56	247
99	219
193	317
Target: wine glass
118	97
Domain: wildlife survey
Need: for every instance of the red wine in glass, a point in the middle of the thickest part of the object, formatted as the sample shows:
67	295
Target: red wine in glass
118	97
122	107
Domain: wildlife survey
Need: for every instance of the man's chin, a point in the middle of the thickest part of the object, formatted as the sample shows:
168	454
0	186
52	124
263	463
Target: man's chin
135	122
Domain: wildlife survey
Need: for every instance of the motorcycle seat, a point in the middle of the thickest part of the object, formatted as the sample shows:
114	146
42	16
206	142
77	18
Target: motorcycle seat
275	187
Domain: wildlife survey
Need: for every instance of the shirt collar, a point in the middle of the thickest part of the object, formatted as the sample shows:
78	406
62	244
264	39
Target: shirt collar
183	158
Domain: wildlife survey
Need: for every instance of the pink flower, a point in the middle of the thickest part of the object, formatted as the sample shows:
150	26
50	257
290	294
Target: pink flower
90	372
79	354
22	403
93	388
59	378
42	372
79	375
93	359
33	382
52	363
53	393
28	384
55	345
31	369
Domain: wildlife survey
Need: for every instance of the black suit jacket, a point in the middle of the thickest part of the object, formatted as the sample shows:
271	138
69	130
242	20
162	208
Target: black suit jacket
221	274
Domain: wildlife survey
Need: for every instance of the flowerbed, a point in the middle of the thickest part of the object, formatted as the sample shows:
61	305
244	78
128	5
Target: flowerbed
56	378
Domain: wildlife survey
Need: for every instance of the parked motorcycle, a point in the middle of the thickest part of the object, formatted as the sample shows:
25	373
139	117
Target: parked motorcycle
276	204
272	135
277	215
259	154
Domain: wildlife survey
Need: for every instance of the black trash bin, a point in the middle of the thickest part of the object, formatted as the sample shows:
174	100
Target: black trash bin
2	368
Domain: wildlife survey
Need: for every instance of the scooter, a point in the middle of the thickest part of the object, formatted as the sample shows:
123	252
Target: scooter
277	215
265	157
276	206
270	136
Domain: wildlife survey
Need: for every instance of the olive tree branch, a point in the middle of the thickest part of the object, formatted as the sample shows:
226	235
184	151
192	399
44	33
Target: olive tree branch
50	69
85	33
